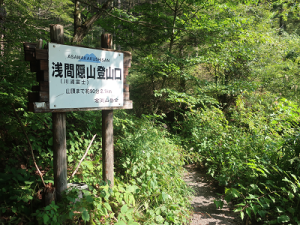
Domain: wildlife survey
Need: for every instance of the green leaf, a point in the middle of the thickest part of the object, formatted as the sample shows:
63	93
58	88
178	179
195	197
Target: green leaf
132	223
164	196
71	214
242	215
272	198
131	200
107	206
120	222
124	209
159	219
248	211
146	205
102	193
294	187
170	218
252	196
255	209
49	181
50	141
131	188
89	198
283	219
291	195
297	221
219	203
70	158
279	209
14	210
174	207
45	218
28	182
238	209
262	213
85	216
235	193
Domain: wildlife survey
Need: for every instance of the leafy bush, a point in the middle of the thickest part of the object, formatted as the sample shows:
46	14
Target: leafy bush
151	161
254	154
100	204
146	160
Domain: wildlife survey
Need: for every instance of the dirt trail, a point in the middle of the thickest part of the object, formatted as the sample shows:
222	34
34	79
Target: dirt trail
205	211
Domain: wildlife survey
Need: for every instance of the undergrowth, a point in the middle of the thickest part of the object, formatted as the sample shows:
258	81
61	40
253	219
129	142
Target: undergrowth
148	167
254	152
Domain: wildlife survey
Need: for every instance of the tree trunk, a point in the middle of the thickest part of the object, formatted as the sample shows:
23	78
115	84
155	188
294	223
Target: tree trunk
59	131
119	27
107	130
182	85
77	17
282	26
172	37
81	31
2	27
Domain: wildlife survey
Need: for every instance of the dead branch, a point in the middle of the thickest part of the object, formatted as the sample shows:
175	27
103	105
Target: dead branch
75	171
22	127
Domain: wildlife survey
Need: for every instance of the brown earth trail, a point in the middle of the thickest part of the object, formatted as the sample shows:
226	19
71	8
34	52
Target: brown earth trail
205	211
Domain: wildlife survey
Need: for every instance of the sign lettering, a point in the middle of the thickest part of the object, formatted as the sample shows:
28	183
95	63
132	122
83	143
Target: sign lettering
82	77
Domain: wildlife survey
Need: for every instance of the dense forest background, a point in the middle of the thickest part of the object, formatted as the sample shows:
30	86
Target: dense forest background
213	82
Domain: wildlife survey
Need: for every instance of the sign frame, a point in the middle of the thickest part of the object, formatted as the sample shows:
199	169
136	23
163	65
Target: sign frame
84	78
39	97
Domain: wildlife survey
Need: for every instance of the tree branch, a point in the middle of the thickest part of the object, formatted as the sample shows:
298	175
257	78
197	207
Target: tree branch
142	23
82	31
22	127
75	171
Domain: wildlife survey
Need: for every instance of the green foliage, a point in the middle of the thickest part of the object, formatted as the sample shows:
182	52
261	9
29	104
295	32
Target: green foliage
253	154
49	215
276	65
142	190
150	160
23	21
100	204
141	186
221	76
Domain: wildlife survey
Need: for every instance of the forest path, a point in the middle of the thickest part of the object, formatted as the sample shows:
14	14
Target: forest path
205	211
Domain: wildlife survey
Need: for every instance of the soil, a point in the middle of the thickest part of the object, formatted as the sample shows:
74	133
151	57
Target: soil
206	191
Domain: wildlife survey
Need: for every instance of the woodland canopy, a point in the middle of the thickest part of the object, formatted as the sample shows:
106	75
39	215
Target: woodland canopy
212	82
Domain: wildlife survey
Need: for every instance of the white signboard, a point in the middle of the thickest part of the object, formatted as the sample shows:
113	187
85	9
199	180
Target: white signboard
84	78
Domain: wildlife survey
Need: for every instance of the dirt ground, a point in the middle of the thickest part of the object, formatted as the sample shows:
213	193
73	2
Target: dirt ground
205	211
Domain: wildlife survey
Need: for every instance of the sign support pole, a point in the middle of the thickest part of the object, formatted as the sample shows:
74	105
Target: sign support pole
59	131
42	61
107	130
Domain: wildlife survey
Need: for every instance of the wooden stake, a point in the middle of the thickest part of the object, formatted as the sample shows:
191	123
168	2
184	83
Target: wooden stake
59	153
108	146
59	131
57	33
106	41
107	130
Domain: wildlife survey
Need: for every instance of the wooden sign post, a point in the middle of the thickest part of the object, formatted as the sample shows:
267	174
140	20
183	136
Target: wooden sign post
59	131
43	100
107	130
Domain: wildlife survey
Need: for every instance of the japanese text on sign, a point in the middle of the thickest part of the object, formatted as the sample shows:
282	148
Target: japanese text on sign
82	77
